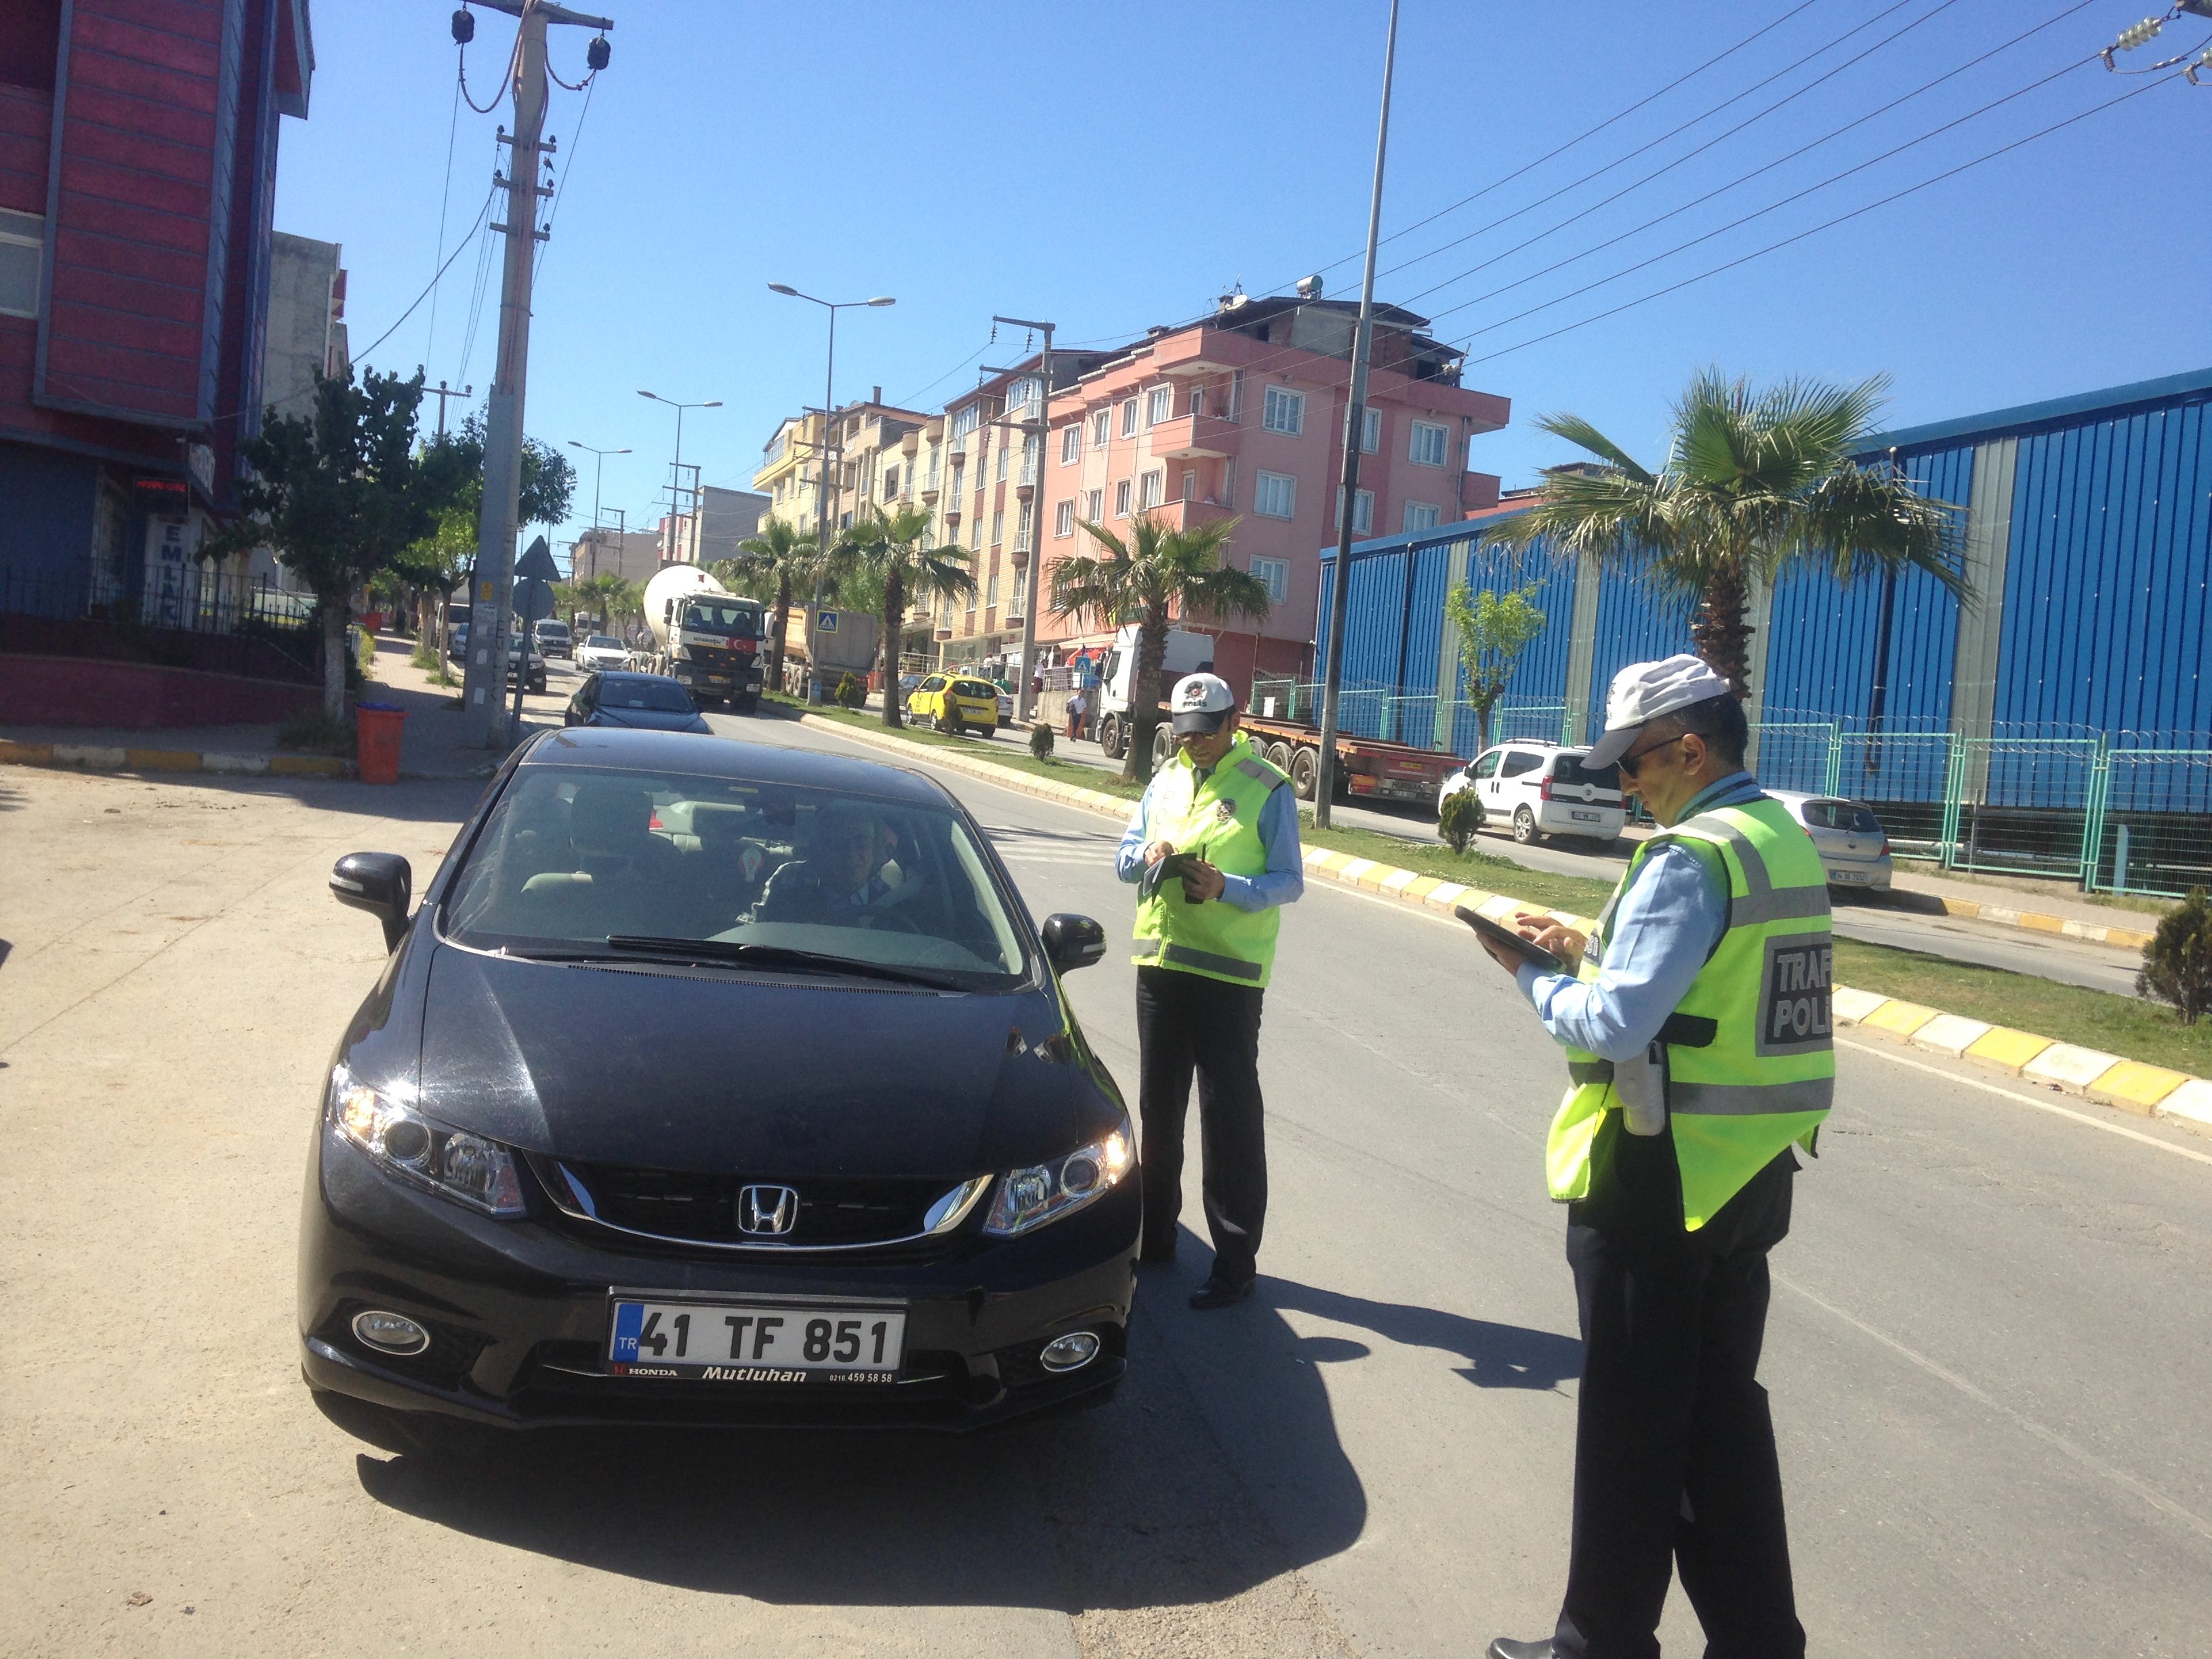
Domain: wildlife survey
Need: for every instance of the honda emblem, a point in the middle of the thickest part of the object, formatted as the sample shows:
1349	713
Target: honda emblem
767	1211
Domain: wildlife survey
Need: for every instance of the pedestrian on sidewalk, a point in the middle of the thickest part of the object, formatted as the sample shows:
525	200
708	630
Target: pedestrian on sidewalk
1696	1021
1214	848
1076	702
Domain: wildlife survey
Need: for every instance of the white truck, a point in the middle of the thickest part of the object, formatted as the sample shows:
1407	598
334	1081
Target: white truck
704	636
1187	653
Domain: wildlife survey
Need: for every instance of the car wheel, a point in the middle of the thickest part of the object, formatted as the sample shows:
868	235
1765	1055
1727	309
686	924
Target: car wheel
1524	827
1305	769
1164	744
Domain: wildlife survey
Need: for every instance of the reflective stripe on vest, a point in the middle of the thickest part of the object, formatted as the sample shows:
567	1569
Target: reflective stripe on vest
1766	1076
1217	819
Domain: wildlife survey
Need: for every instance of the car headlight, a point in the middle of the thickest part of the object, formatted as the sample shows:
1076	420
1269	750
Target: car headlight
451	1162
1045	1192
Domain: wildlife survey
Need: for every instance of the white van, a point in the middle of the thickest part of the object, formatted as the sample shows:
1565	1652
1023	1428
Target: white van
1537	789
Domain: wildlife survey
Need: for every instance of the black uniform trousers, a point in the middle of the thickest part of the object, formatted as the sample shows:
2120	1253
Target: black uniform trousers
1675	1458
1188	1022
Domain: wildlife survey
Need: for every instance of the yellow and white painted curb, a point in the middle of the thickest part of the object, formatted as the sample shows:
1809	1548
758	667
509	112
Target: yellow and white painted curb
2035	921
101	757
2129	1085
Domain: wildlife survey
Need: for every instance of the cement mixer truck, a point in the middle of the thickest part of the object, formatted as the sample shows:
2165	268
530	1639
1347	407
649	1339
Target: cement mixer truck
705	636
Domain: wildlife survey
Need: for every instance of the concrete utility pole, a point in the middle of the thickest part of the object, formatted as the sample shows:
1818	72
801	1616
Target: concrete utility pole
492	598
443	392
1355	432
1025	700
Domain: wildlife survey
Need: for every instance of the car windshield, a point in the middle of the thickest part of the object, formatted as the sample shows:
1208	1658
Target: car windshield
1570	770
1842	815
661	696
724	618
602	642
574	857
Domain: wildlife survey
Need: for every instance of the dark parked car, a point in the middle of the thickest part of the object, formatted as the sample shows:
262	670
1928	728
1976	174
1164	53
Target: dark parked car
648	702
712	1083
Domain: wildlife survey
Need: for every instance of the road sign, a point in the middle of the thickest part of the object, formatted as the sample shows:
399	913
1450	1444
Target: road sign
825	622
536	564
534	598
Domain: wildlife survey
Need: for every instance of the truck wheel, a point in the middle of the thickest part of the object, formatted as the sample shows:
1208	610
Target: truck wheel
1164	744
1109	737
1305	768
1524	827
1278	755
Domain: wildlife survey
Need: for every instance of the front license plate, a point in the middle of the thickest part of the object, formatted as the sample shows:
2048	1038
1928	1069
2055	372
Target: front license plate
755	1342
1581	817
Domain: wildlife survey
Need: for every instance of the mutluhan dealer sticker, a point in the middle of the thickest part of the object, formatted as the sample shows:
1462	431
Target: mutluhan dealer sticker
751	1342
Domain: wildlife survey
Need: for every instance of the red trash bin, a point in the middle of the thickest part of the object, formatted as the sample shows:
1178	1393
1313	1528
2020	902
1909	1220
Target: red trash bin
377	727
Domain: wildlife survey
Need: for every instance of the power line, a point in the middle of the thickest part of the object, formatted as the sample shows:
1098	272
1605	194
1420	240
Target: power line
1842	218
365	353
575	139
445	195
947	375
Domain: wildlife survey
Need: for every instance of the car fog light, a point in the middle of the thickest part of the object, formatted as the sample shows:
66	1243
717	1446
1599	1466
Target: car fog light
1071	1352
391	1332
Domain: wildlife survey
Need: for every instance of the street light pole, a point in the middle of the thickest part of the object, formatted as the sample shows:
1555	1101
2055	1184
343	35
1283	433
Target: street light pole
1024	699
1355	431
599	475
822	505
676	470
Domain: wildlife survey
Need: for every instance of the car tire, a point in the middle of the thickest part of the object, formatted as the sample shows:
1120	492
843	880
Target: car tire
1525	833
1305	771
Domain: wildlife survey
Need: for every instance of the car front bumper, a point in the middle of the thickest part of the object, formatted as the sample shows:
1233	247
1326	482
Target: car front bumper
519	1312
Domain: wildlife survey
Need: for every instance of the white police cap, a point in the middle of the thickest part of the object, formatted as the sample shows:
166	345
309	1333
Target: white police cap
1200	702
1644	691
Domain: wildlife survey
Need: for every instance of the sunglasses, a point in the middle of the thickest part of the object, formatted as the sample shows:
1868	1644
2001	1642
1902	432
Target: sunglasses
1632	762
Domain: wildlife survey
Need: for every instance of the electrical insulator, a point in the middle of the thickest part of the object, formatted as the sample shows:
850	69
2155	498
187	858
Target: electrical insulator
598	53
465	26
2140	34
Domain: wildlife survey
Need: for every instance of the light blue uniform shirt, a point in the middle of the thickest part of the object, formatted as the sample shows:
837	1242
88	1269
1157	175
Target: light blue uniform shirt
1667	924
1283	881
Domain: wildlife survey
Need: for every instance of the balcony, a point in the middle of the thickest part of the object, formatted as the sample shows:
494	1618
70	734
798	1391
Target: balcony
1192	437
1186	515
929	495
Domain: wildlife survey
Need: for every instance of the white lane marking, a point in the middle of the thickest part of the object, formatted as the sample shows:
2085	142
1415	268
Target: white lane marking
2088	1460
2051	1106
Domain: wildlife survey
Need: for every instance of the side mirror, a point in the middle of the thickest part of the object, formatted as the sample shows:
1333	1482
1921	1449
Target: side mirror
1072	942
379	882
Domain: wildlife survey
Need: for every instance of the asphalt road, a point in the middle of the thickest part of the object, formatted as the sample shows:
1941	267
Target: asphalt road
1987	1353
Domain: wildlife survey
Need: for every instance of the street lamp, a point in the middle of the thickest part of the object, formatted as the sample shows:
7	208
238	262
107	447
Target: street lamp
676	472
598	473
822	514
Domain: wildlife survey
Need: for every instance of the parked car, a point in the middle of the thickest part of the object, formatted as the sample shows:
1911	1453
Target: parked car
907	682
1536	789
553	637
1006	709
517	650
601	651
955	702
654	1118
648	702
457	641
1854	848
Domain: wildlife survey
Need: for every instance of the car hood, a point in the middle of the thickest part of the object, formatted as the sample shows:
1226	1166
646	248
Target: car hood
678	1068
649	720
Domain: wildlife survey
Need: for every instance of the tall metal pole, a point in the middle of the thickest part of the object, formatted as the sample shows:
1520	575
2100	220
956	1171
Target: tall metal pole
821	513
1355	429
492	598
1041	428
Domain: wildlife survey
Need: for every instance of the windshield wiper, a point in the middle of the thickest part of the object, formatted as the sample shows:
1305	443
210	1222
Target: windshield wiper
776	956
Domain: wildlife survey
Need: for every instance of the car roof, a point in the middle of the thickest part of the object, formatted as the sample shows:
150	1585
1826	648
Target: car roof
626	749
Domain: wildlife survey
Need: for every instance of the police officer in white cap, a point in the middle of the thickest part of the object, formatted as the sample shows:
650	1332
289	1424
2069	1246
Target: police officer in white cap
1214	848
1696	1023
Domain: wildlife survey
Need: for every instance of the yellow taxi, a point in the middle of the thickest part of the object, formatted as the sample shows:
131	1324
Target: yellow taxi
954	703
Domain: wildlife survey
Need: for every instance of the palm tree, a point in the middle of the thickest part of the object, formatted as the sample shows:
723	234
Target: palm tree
1156	572
1755	482
893	549
766	565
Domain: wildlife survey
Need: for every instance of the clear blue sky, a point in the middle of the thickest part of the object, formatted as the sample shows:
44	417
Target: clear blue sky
1113	167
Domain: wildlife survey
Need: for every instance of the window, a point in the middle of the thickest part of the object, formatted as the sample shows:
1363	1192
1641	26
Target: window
1023	392
1028	518
1121	498
1005	450
1486	768
1274	495
1129	418
1190	484
1030	459
1237	395
1071	444
1419	515
1519	762
1284	411
1228	483
1094	506
1363	512
1063	520
890	483
1148	488
998	526
1370	438
993	596
1159	405
1276	573
1099	424
933	456
966	420
1426	447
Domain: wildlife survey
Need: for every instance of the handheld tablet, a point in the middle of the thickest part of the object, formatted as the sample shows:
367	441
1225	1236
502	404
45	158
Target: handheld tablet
1543	960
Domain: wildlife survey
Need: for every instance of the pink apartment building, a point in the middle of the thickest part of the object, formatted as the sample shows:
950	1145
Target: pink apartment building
1242	416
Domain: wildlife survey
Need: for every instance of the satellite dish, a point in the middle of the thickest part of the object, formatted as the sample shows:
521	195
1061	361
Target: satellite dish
1310	288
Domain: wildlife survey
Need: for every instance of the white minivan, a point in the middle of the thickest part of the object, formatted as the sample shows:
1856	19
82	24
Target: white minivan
1537	789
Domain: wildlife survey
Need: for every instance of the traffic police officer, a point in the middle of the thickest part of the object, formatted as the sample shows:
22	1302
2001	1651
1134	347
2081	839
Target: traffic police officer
1206	944
1697	1027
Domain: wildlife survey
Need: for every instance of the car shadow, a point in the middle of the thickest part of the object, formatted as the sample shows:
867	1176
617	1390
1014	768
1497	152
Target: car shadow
1137	1504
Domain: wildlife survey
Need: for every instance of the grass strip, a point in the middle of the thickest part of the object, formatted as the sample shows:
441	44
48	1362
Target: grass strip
2126	1026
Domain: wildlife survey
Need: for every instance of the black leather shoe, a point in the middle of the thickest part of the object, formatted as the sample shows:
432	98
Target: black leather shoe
1219	1293
1504	1649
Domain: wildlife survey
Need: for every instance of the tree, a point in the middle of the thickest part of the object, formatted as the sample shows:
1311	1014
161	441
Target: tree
2178	962
765	567
336	495
893	549
1755	482
1155	575
1494	630
451	466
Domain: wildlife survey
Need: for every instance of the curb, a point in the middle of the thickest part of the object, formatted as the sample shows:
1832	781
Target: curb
2131	1085
2006	915
99	757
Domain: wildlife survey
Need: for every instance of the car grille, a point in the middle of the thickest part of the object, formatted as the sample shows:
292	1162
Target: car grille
702	1207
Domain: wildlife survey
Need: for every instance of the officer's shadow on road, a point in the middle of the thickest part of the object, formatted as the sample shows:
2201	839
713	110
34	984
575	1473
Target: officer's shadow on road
1497	1356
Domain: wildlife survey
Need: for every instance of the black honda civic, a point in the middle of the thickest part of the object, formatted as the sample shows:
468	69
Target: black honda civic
713	1083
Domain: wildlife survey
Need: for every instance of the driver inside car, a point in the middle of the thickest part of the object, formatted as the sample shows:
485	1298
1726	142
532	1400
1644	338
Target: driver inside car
847	877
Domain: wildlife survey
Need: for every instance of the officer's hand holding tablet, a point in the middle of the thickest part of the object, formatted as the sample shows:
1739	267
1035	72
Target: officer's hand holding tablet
1549	946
